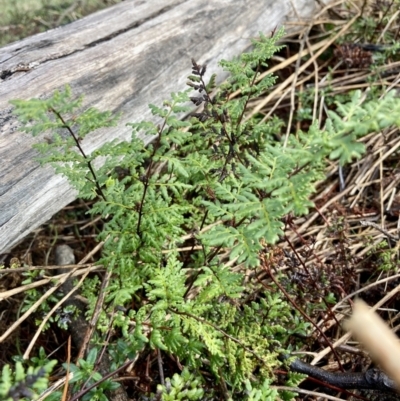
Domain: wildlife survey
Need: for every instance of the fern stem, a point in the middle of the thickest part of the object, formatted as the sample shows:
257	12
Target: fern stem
89	164
104	378
148	173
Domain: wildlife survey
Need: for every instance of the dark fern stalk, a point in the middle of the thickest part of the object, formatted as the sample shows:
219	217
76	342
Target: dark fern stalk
146	177
60	151
211	110
78	145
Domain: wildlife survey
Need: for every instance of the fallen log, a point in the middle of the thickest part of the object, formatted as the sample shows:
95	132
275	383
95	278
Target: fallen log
121	59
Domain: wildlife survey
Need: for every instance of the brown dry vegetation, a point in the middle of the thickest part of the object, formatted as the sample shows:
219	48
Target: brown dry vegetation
346	247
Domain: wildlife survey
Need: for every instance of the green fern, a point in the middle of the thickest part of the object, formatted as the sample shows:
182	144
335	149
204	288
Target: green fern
24	384
215	169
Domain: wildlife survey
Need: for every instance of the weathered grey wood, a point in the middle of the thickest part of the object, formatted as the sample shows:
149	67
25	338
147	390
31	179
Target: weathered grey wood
121	58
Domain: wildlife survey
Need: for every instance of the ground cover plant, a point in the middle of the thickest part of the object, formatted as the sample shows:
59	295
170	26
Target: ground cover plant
22	18
209	272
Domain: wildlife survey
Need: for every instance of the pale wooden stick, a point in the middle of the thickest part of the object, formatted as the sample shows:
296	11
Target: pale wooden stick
346	336
382	344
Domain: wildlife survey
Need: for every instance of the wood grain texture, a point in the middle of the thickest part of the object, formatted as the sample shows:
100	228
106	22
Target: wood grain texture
121	58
